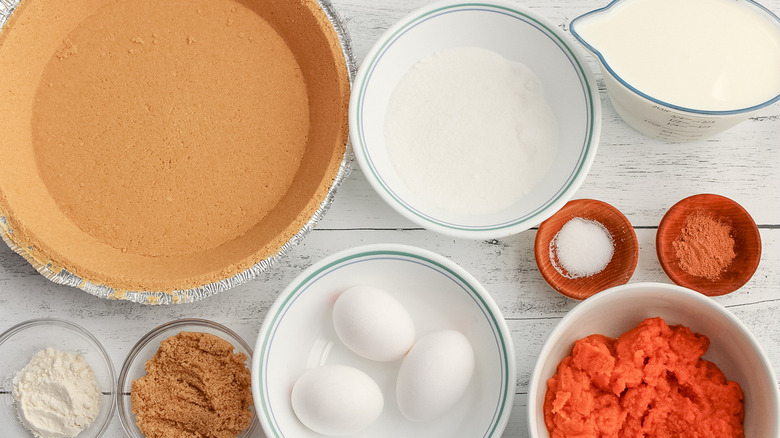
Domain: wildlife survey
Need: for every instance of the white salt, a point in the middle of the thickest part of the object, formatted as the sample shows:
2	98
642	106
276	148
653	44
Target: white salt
581	248
469	131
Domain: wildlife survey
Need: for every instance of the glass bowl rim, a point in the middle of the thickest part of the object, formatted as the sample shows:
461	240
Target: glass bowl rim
124	415
42	322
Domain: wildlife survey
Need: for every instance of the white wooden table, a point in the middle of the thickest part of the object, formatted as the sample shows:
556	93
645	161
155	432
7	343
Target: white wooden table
640	176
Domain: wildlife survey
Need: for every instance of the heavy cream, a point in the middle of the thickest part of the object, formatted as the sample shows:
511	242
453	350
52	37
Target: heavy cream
716	55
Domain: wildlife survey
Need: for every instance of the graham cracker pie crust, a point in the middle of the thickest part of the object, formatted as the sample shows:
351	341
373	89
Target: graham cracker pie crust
164	145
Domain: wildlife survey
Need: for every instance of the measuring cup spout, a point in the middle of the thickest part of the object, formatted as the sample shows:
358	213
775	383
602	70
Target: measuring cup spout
673	68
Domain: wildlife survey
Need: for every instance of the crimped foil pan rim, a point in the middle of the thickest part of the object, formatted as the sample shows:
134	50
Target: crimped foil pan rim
67	278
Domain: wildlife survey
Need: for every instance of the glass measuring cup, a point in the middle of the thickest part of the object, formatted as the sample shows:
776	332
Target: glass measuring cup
684	70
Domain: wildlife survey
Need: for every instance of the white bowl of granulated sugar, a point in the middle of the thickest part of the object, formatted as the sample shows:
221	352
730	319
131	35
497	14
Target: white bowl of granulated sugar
475	121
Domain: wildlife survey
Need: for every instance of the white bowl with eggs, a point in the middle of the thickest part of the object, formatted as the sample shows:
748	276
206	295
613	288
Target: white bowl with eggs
732	347
455	323
475	189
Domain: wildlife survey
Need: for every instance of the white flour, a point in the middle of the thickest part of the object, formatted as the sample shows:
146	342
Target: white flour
56	394
470	131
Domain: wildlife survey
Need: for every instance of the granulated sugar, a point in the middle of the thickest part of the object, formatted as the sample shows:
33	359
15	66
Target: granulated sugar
470	131
582	248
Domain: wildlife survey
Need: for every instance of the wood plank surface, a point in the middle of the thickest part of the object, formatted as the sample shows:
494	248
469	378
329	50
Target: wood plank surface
640	176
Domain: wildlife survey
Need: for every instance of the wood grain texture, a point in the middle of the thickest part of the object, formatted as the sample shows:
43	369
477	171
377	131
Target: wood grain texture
639	176
506	268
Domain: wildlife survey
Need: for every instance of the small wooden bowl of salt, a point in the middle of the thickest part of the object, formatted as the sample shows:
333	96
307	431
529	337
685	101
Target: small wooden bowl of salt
708	243
586	247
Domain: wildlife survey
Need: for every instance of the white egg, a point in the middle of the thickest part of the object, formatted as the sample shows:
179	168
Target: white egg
336	400
434	375
373	324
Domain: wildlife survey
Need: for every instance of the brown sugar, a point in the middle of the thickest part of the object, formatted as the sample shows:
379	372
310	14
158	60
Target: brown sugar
705	246
155	145
195	386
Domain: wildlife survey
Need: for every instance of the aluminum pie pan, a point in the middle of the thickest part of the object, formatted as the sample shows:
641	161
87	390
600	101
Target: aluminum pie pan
65	277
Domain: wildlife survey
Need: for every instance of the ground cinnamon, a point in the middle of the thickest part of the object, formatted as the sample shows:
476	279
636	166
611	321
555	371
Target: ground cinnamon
705	246
195	386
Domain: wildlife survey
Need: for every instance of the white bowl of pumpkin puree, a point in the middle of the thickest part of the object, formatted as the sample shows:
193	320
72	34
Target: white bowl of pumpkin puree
654	360
164	151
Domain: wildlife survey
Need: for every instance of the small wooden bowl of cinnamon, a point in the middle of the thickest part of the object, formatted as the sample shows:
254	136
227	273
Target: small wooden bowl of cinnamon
708	243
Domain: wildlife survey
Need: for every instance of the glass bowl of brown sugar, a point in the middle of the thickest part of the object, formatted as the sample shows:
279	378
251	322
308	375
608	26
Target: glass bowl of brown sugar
708	243
187	375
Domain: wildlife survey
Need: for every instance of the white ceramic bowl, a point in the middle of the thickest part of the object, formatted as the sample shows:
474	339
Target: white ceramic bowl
732	347
659	119
297	334
518	35
17	346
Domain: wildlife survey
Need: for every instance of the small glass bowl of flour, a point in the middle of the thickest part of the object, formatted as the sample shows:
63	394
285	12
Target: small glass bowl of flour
586	247
71	360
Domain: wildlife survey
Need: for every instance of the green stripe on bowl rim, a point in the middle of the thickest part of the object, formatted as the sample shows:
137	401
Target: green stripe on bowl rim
424	258
551	32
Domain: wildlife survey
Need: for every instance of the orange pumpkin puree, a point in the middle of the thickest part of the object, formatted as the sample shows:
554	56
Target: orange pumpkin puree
649	382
